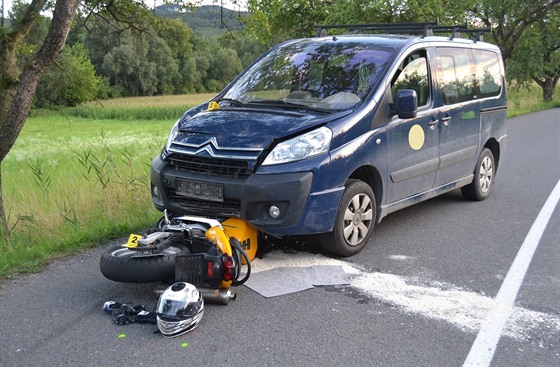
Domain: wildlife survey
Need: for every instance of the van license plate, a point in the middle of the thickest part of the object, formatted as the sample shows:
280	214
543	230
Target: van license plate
201	190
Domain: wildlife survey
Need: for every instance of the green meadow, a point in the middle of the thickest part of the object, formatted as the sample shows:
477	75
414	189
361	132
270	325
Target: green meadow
79	177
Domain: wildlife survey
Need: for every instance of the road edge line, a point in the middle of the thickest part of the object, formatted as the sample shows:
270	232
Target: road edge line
483	349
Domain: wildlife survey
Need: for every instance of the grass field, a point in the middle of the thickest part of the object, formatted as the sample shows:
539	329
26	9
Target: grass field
523	101
72	182
148	108
78	177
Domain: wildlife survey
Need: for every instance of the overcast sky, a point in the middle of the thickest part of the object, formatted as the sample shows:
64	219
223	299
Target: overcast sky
7	6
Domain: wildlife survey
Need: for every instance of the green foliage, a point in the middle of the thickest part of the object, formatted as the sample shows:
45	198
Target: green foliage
223	67
36	35
128	66
248	48
69	81
272	21
537	57
164	59
206	20
367	11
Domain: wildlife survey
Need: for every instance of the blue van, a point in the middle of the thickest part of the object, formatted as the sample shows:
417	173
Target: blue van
326	136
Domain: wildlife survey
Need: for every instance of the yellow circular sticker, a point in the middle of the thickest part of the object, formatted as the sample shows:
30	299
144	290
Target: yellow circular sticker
416	137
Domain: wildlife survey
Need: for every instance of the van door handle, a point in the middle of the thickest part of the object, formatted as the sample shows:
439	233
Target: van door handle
445	120
432	124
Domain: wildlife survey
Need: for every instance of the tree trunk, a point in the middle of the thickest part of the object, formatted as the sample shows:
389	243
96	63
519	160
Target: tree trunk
4	229
548	85
17	91
548	90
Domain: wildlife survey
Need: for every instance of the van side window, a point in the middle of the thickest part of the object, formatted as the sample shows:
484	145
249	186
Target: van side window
413	74
488	73
456	75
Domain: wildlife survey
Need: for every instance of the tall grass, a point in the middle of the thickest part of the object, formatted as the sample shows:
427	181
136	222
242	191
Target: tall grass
140	108
71	183
78	177
524	100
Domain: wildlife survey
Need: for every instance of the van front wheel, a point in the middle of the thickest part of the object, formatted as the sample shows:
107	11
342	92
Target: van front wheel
354	221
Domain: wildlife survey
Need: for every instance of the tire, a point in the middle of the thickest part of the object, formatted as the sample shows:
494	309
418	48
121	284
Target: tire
484	173
354	220
119	264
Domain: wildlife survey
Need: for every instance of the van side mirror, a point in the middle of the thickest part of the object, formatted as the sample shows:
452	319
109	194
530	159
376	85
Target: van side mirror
406	104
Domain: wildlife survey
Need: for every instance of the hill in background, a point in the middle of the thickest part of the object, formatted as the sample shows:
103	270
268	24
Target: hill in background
206	20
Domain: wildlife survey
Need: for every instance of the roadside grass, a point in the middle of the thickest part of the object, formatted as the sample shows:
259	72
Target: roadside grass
80	176
522	101
72	183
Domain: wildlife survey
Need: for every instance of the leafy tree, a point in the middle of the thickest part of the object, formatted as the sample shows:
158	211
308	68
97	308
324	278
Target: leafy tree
537	58
212	65
127	66
208	20
509	19
203	61
272	21
248	48
176	35
157	59
277	20
224	66
394	11
70	80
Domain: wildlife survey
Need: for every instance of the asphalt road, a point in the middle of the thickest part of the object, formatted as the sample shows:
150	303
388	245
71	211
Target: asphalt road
421	290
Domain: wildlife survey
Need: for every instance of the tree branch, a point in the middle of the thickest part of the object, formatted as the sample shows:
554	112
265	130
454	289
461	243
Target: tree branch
21	29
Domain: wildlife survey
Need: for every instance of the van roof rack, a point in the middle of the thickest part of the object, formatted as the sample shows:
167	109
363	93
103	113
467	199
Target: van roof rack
424	29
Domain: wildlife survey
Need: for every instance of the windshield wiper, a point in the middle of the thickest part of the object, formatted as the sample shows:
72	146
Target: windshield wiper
290	105
232	101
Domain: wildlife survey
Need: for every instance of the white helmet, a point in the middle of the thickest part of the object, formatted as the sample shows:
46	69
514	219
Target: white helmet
179	309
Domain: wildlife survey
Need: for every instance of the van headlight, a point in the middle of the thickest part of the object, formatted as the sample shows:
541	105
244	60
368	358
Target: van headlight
172	135
301	147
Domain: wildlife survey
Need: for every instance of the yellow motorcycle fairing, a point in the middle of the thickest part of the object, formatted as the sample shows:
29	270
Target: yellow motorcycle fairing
245	234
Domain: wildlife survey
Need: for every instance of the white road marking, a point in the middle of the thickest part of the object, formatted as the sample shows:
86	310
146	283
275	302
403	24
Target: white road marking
482	351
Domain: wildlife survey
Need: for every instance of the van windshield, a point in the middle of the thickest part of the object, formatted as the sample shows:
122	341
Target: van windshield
316	74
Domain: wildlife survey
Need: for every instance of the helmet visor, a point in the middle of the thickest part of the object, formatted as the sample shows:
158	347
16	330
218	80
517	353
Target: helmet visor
179	301
182	309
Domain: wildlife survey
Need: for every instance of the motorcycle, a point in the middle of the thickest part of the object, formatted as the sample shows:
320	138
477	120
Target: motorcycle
205	252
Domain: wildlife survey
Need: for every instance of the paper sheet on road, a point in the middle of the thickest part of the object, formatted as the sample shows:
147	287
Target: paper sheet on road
285	280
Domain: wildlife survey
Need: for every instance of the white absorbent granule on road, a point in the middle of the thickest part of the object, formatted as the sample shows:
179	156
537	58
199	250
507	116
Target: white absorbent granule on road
424	297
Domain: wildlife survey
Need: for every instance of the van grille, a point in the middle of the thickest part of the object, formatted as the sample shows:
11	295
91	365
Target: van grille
227	207
210	166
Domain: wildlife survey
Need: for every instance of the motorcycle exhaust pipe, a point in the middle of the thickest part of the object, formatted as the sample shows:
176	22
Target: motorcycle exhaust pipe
215	296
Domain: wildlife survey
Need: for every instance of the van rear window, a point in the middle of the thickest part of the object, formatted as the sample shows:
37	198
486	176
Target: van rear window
488	73
464	75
